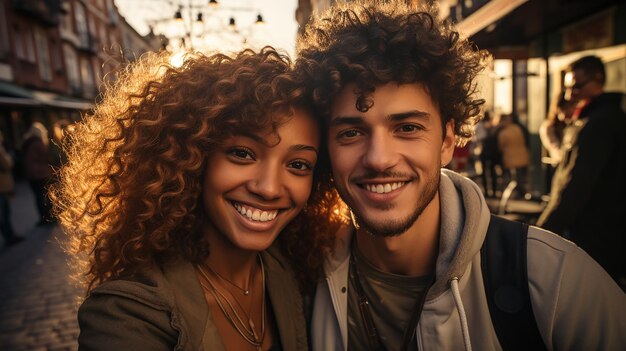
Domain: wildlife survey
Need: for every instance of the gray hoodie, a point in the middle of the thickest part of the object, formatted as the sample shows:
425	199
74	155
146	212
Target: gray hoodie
576	304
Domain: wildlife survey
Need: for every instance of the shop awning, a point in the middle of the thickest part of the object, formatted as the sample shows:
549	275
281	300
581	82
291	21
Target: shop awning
15	95
508	28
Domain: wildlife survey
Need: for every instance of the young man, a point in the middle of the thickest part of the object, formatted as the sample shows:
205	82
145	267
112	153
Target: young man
588	188
395	88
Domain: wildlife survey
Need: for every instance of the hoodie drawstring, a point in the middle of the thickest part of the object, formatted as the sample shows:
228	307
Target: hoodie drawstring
454	285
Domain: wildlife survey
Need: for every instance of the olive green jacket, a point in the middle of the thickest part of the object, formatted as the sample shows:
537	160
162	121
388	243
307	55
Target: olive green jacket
165	309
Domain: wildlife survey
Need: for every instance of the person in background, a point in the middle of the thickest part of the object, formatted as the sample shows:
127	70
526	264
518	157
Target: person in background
490	156
7	189
513	145
37	168
552	128
588	189
394	86
60	130
551	133
174	194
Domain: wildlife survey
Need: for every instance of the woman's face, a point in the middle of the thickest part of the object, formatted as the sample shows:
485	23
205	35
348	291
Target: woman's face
254	185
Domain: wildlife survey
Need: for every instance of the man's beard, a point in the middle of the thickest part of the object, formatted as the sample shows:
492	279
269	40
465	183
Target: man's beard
395	227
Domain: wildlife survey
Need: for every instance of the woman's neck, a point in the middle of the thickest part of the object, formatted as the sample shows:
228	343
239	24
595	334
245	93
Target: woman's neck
229	261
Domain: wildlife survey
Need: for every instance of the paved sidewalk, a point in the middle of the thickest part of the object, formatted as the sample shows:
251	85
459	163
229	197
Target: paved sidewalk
37	300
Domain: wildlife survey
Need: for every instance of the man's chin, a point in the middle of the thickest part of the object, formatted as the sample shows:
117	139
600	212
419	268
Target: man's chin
383	228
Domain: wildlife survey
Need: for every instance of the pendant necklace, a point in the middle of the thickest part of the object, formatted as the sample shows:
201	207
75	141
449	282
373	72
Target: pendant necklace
247	329
245	290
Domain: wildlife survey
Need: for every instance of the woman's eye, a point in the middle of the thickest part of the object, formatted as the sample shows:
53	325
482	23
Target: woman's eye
301	165
242	153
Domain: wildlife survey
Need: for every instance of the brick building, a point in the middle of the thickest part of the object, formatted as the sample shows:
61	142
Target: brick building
54	57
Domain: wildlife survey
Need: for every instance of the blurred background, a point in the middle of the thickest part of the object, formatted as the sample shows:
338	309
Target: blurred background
56	55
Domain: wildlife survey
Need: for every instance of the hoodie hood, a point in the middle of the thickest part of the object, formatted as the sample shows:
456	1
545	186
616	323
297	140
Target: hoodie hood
464	222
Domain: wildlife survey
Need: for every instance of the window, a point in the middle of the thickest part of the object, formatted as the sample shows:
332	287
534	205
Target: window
19	43
43	52
71	62
86	74
27	35
81	25
4	34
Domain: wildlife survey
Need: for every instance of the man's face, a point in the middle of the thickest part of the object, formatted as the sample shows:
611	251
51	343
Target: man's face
579	85
386	162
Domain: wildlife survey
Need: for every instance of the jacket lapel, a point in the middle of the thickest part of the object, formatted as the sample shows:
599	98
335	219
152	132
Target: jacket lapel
286	303
189	297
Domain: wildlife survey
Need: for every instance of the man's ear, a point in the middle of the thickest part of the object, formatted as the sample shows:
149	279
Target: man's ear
447	148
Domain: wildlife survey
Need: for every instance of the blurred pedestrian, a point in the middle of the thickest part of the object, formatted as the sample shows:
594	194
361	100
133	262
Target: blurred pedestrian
552	128
513	145
490	156
7	189
37	168
58	156
588	188
551	133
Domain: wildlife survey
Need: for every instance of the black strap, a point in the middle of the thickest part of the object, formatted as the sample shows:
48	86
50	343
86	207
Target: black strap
503	257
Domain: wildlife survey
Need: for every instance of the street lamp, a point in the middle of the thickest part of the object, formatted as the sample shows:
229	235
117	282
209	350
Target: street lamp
213	22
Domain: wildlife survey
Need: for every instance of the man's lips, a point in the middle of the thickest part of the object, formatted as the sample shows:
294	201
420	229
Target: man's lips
383	187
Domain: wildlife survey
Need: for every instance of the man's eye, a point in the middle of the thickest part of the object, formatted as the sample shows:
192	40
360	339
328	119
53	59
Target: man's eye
351	133
242	153
409	128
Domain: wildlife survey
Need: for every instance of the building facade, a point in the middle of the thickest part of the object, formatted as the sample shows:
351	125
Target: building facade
55	56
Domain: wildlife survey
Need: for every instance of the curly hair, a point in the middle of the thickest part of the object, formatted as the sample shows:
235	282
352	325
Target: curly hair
372	43
130	194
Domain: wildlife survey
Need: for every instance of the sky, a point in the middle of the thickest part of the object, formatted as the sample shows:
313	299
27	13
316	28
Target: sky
279	29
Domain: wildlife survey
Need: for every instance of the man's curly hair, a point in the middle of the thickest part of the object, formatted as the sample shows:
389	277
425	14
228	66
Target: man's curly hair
371	43
130	194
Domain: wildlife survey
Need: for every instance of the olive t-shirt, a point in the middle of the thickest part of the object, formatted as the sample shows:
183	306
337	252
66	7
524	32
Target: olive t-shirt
392	299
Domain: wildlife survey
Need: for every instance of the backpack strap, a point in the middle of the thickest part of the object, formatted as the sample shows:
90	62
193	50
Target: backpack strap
503	261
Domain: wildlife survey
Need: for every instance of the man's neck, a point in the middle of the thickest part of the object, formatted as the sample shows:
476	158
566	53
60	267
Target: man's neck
412	253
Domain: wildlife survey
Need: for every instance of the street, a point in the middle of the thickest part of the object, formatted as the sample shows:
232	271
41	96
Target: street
38	302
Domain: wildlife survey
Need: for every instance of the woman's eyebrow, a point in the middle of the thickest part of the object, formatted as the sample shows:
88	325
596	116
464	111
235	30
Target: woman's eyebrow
301	147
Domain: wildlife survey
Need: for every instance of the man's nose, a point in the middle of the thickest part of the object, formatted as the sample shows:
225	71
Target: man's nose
381	153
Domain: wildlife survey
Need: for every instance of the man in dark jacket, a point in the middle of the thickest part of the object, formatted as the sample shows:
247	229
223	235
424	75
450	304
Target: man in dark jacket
588	189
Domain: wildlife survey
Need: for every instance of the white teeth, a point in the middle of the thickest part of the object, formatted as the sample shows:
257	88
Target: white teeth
255	214
383	188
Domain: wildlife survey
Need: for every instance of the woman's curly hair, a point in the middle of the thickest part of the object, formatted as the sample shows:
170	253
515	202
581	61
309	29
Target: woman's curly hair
130	194
370	43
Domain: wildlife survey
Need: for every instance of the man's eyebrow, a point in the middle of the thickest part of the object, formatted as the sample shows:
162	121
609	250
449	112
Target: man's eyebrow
346	120
352	120
408	114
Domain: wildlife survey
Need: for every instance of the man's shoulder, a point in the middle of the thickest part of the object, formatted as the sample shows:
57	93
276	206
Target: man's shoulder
557	264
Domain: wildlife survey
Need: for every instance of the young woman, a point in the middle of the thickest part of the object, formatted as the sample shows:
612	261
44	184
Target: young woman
173	194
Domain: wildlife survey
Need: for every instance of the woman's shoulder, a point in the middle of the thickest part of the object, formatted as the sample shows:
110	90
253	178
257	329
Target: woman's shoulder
148	286
130	314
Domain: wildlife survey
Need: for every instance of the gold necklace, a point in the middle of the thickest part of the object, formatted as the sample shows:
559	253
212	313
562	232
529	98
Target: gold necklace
248	332
245	291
